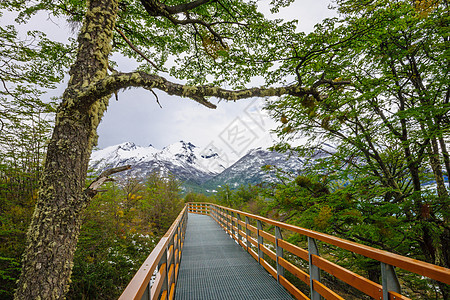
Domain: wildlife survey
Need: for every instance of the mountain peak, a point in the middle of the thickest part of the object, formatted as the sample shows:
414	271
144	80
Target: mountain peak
178	158
127	146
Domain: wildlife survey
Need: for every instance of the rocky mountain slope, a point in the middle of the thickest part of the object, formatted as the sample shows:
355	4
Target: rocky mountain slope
184	160
197	168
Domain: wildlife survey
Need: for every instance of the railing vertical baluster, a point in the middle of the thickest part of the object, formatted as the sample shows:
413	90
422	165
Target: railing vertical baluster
219	216
232	224
163	261
389	280
147	294
239	228
175	259
279	250
225	218
260	241
247	233
171	264
314	271
179	243
175	248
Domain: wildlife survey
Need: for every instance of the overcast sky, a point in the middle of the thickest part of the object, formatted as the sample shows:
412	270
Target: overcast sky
232	128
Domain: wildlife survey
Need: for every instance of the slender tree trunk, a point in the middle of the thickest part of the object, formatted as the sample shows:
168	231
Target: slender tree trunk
445	155
56	222
437	170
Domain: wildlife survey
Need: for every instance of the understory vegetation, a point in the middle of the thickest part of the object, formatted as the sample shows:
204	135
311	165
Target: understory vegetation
120	228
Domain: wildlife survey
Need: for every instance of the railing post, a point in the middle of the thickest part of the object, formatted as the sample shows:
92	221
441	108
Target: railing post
147	294
175	247
239	228
389	280
165	284
172	262
226	215
232	224
247	233
219	216
183	229
278	236
179	241
314	271
228	220
260	241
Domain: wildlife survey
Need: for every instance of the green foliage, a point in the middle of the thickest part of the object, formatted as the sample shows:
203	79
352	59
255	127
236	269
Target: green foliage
196	197
121	227
245	197
240	45
29	67
388	114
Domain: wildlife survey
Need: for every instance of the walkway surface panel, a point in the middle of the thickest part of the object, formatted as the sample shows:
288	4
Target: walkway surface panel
214	266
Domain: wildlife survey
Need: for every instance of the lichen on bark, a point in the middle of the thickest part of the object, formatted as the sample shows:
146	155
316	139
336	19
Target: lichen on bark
56	222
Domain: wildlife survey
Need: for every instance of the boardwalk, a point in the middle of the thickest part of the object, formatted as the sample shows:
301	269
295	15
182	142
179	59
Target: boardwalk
213	266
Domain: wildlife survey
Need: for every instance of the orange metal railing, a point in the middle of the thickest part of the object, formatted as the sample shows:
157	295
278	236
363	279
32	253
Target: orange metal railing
237	224
256	241
162	264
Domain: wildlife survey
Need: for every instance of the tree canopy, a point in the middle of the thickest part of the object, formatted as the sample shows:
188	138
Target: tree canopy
385	182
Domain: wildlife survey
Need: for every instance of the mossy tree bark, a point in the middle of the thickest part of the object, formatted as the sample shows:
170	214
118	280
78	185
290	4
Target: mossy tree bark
53	233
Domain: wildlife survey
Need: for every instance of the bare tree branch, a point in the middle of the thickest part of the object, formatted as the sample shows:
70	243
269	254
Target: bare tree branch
136	49
156	8
201	22
93	188
156	96
117	81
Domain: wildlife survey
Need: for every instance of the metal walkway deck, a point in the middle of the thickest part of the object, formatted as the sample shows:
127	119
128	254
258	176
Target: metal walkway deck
213	266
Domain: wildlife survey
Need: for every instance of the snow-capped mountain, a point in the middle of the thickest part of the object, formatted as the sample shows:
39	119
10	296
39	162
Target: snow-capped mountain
249	169
197	167
182	159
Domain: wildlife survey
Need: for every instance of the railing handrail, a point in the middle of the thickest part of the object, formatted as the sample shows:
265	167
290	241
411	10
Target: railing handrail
167	255
252	237
140	282
416	266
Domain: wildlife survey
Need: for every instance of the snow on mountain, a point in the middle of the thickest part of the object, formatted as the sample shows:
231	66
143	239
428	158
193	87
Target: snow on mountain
202	168
183	159
248	169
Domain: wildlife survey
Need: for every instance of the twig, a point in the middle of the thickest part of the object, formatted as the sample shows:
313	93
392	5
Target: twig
156	96
137	50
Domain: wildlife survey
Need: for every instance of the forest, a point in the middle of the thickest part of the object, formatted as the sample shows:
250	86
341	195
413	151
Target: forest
374	81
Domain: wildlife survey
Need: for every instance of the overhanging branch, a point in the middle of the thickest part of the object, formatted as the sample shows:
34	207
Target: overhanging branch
118	81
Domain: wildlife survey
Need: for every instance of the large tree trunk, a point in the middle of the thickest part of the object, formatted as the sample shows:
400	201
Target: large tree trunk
55	226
